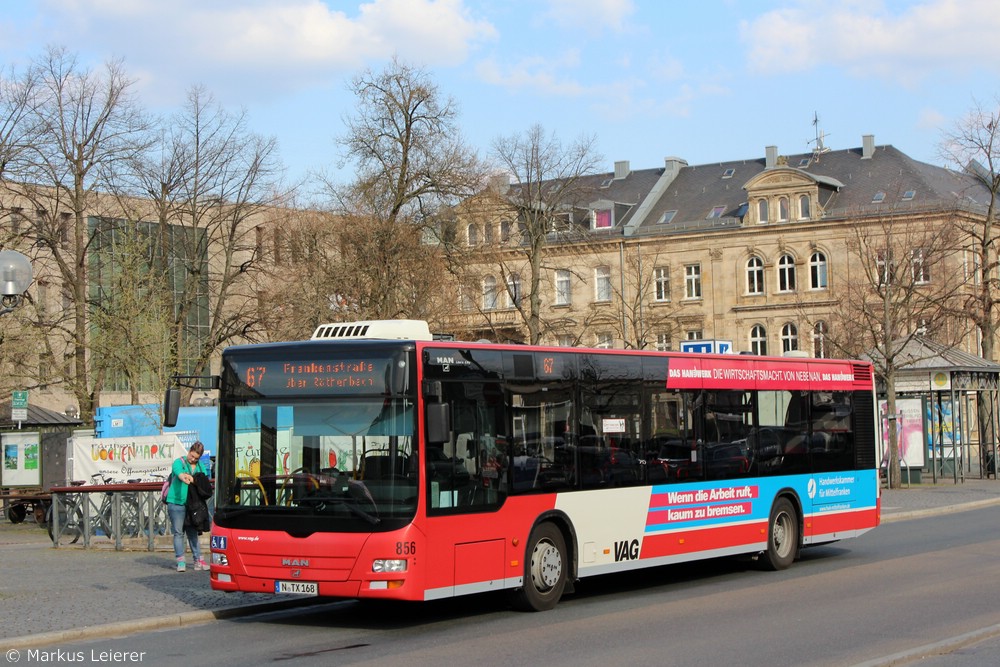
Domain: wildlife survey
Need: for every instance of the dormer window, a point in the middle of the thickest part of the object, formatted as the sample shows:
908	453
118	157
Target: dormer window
878	198
728	173
601	219
716	212
909	195
667	216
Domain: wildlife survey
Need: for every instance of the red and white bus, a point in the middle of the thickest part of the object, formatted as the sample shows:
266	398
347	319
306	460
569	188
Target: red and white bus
374	461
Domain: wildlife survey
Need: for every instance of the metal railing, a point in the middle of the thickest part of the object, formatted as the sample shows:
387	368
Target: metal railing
129	515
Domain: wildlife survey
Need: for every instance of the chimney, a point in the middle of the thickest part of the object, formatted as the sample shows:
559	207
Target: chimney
867	146
673	165
499	183
621	169
770	157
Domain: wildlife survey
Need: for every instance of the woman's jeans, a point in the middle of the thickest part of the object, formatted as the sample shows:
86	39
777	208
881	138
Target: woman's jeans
177	514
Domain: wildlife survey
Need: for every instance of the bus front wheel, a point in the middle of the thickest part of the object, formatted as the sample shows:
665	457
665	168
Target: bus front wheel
782	536
545	570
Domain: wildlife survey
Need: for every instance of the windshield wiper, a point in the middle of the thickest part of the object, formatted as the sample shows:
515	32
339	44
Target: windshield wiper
320	503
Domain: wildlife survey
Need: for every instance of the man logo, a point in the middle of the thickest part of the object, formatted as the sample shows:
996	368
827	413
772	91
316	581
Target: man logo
295	562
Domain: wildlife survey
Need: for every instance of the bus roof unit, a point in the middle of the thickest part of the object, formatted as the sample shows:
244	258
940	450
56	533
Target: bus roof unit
374	329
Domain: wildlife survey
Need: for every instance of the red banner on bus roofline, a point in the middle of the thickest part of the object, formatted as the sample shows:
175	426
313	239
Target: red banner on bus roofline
738	372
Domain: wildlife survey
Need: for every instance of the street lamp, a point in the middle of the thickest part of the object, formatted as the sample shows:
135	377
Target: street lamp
15	277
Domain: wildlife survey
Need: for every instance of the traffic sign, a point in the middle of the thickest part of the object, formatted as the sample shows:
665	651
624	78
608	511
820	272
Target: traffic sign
19	406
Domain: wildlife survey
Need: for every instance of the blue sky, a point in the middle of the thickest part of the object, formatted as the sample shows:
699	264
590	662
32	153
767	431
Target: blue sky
707	80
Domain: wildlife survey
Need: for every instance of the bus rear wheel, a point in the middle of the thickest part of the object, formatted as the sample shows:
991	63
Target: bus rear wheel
545	570
782	536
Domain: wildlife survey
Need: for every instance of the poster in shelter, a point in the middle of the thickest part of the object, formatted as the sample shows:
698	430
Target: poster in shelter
910	423
20	460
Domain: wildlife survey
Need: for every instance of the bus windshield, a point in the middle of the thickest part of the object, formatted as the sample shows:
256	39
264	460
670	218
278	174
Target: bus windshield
309	446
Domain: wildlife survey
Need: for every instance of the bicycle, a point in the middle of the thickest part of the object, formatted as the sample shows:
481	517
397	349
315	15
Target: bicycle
157	510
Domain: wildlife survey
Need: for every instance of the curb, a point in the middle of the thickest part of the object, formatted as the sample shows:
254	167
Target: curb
933	511
154	623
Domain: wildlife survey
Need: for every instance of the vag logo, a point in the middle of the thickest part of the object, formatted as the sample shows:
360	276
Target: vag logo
295	562
626	550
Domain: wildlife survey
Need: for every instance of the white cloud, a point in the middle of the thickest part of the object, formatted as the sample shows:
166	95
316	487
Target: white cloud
591	15
931	119
540	74
866	38
278	45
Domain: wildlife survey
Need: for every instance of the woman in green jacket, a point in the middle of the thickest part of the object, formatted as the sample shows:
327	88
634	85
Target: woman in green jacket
183	472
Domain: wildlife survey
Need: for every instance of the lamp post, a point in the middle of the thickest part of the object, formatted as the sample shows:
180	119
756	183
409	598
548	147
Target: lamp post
15	277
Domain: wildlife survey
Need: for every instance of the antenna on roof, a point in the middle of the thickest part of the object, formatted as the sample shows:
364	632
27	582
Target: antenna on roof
819	147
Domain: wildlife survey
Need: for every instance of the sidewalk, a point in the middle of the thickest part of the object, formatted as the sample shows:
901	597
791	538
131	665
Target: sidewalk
50	596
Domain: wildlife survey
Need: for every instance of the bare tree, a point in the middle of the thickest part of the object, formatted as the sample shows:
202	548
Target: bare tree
974	145
412	165
899	286
543	204
86	125
214	190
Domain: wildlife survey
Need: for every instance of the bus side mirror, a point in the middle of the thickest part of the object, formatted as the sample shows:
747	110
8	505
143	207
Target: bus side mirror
171	405
438	423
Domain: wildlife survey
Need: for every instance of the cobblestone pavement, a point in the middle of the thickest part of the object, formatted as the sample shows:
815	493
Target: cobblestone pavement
49	595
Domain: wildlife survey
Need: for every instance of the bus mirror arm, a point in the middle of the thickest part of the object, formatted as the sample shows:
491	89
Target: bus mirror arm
438	423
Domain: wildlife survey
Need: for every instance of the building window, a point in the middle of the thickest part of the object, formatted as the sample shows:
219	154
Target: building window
878	198
918	264
605	341
884	267
762	211
755	275
786	274
783	209
513	290
789	338
563	294
817	271
489	293
716	211
758	339
473	234
504	231
465	302
488	234
663	343
565	340
601	219
692	281
602	284
694	334
667	216
803	207
819	340
661	283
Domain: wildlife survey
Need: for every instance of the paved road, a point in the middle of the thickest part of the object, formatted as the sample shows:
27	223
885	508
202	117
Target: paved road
49	596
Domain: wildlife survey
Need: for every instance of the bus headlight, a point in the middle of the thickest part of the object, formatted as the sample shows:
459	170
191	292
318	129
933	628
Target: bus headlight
389	565
219	559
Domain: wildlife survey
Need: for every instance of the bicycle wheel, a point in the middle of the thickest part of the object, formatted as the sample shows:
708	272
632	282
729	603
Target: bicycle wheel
70	523
131	517
130	524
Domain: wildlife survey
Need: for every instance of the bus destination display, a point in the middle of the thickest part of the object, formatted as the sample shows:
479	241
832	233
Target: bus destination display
300	375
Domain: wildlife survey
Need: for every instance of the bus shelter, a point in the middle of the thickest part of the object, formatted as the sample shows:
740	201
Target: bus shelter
946	411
